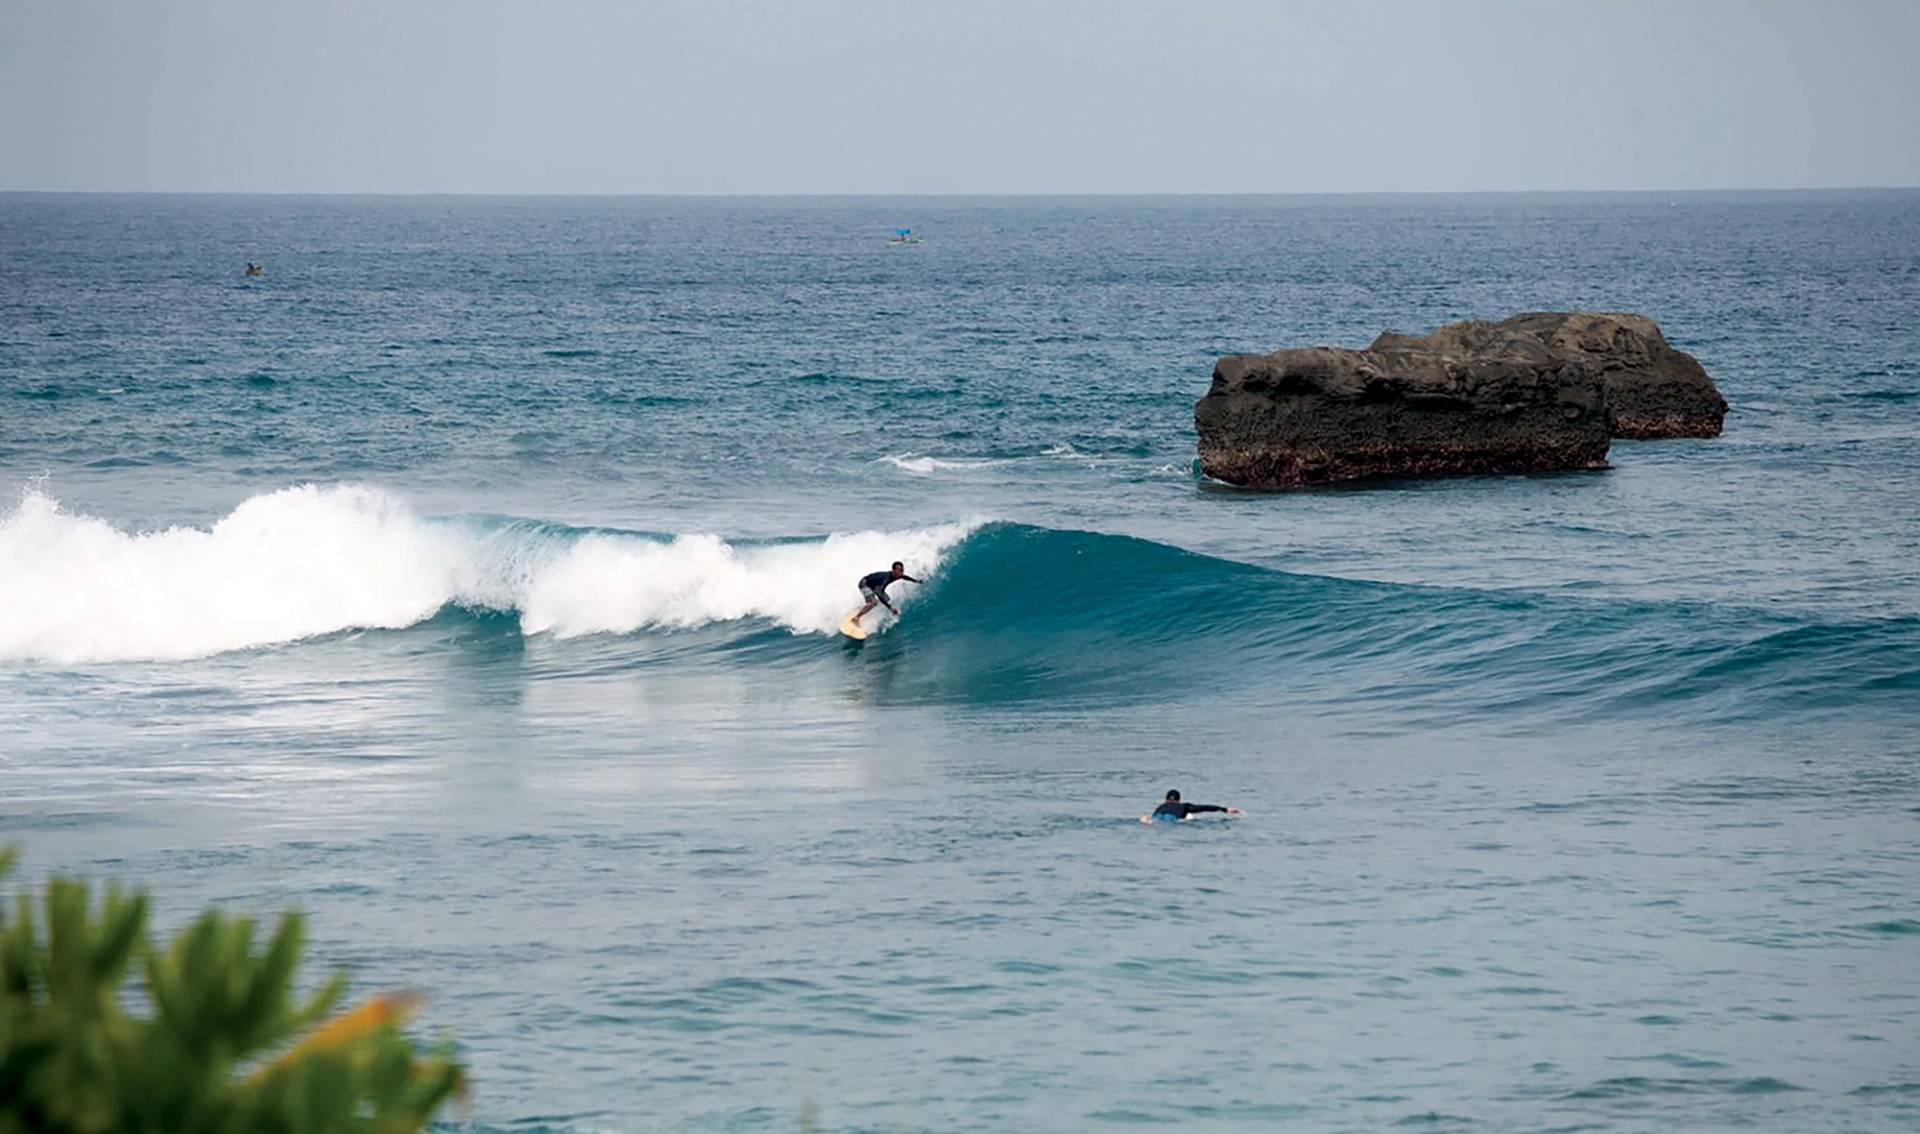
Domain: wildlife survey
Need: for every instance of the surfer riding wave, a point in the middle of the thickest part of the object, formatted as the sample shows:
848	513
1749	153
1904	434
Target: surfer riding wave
873	589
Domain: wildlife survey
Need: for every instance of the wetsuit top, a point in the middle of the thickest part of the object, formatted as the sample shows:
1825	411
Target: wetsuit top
1180	808
877	582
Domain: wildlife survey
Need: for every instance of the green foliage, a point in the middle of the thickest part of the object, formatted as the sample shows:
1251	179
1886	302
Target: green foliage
225	1047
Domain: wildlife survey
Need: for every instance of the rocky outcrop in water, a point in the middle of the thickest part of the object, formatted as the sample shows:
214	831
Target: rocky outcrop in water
1654	390
1297	417
1536	393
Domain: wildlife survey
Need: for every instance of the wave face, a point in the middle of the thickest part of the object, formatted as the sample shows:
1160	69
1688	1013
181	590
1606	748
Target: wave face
1033	612
311	560
1010	613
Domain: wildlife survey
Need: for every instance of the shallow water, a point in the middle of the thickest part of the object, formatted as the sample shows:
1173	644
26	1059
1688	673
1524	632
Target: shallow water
468	581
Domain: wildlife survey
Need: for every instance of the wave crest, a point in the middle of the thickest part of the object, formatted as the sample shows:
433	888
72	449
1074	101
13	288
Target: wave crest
620	583
313	560
1011	613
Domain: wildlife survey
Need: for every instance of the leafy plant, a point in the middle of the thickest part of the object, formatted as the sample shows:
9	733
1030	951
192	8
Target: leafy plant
225	1047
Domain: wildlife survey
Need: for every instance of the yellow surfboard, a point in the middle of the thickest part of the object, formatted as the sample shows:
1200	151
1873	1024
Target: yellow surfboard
847	627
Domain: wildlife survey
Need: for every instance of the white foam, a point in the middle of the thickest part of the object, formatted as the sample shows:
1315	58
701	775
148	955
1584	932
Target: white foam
617	584
924	465
314	560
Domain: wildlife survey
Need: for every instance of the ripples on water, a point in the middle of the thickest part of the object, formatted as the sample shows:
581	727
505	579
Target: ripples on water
1575	802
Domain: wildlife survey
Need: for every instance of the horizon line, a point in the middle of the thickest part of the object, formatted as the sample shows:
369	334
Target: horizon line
863	194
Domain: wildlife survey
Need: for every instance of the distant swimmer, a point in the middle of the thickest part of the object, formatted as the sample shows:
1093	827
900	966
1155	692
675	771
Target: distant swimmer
1172	809
873	588
253	269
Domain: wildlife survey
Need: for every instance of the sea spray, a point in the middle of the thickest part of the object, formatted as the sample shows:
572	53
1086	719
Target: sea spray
281	566
313	560
619	584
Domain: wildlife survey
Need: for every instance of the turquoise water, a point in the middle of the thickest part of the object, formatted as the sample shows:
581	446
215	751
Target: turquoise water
468	580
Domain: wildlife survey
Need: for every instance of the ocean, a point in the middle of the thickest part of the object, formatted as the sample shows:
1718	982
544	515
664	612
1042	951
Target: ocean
469	579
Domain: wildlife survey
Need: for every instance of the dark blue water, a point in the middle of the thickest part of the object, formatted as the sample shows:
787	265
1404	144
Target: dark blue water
469	578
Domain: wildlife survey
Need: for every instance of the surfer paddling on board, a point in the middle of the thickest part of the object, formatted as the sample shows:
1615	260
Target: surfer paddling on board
1173	808
873	588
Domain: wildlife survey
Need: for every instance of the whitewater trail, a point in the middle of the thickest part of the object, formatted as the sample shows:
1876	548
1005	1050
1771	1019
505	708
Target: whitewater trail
920	464
313	560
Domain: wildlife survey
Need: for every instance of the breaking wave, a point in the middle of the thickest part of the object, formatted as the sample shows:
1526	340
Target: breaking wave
1011	612
313	560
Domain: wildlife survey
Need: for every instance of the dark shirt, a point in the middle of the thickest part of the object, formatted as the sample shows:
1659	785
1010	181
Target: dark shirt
1180	808
877	582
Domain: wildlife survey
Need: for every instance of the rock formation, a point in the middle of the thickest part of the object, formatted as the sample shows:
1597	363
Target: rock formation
1322	414
1654	390
1536	393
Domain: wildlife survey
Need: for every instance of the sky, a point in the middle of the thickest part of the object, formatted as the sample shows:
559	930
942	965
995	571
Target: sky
956	96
